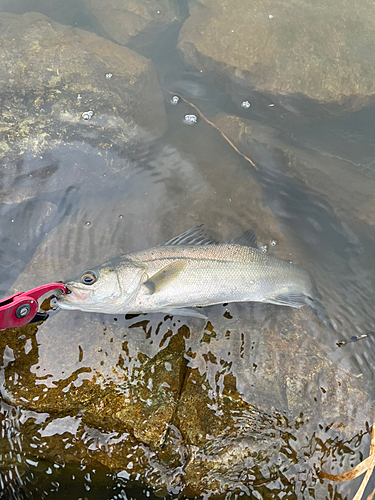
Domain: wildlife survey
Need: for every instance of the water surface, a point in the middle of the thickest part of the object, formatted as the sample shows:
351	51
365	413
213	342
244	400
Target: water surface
158	188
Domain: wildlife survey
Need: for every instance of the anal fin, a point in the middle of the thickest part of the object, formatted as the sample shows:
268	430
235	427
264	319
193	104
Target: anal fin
290	299
181	311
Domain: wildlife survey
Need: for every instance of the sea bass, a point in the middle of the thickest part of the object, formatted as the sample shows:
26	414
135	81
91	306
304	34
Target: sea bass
190	270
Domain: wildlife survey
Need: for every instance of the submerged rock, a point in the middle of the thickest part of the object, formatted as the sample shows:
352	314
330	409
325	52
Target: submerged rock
51	78
252	401
166	193
323	200
107	377
318	51
123	19
249	403
68	12
346	187
256	387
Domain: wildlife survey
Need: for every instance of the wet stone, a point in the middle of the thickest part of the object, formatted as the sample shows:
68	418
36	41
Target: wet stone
201	197
228	408
67	13
60	114
123	19
348	190
23	227
253	401
286	51
257	387
113	383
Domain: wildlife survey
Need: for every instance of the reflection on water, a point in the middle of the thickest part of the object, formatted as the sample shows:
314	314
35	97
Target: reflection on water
251	403
232	405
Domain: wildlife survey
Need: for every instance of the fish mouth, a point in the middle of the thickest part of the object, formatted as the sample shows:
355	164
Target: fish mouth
72	297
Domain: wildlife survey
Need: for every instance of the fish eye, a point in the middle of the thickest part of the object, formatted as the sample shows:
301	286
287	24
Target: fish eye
89	278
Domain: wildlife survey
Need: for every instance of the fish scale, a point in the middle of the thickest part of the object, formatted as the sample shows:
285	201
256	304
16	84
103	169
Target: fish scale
216	274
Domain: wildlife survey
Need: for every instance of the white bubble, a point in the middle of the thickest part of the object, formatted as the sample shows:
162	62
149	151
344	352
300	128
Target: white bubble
273	243
79	97
87	115
271	105
245	104
108	76
88	223
270	16
190	119
175	99
264	248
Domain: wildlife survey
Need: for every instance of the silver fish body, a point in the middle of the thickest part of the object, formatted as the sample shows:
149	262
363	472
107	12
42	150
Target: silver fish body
175	276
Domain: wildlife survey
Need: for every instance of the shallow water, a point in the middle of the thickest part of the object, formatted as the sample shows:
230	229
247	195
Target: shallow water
157	188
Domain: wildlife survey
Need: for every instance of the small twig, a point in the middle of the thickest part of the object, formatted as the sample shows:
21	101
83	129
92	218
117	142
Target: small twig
366	465
217	128
355	338
358	470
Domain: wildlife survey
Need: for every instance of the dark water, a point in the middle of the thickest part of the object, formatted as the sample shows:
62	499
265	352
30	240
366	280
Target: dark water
188	176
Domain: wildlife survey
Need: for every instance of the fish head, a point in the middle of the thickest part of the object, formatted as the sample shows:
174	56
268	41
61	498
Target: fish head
105	289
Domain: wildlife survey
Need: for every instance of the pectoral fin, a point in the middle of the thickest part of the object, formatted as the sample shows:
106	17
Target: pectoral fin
164	276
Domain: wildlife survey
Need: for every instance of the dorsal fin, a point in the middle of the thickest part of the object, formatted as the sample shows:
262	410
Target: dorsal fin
248	239
193	236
